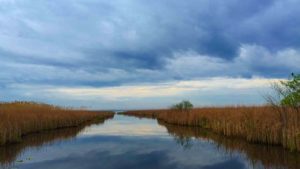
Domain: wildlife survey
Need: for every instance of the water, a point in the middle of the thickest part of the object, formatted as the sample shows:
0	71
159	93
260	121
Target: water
128	142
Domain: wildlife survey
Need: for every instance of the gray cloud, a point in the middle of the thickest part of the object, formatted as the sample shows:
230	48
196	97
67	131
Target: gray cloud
113	43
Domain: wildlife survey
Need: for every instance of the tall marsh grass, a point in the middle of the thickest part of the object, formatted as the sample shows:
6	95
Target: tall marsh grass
257	154
20	118
258	124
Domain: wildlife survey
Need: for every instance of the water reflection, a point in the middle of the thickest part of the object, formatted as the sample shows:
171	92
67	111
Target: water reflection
119	144
113	152
258	155
119	151
10	152
127	126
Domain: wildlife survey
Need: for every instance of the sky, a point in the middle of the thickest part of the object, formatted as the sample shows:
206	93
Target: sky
139	54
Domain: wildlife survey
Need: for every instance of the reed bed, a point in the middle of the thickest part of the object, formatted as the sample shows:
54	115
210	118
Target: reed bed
269	156
258	124
21	118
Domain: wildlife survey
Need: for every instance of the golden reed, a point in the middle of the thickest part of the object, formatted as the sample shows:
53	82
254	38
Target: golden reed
20	118
258	124
271	157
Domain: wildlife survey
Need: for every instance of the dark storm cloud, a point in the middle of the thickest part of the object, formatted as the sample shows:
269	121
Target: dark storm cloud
109	43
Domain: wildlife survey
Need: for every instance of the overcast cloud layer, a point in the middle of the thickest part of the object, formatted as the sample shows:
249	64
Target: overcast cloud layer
50	50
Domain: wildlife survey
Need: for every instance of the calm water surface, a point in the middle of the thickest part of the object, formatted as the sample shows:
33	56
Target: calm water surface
132	143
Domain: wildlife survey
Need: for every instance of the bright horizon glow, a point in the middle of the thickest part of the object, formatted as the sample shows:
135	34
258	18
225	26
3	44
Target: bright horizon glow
146	54
202	92
166	89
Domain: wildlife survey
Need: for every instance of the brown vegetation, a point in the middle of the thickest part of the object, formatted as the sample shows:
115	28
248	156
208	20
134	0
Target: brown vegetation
257	154
261	124
9	153
21	118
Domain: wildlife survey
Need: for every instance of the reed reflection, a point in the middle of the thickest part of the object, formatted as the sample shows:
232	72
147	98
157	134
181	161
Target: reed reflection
9	153
270	157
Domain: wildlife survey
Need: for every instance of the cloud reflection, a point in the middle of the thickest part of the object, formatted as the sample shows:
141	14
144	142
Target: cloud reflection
134	127
111	152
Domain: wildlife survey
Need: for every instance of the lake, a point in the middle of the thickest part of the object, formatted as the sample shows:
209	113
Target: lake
128	142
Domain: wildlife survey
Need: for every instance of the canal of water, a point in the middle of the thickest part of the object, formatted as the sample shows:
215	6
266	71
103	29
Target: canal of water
131	143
